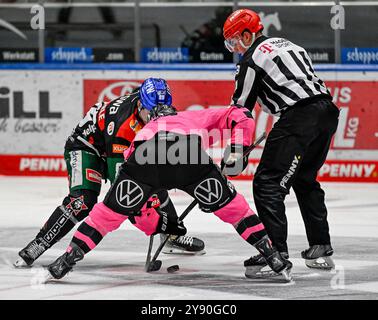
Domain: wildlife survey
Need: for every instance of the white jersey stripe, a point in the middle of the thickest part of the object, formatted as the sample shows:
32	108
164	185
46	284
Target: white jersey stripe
248	83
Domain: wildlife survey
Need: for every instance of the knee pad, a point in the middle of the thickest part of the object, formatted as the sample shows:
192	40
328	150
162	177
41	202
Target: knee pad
103	219
127	195
234	211
75	207
212	192
80	203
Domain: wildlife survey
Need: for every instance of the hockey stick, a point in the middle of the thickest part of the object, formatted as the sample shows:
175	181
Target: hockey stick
156	205
155	264
148	259
254	145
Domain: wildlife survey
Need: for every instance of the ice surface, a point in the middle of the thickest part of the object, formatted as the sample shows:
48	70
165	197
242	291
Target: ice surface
115	269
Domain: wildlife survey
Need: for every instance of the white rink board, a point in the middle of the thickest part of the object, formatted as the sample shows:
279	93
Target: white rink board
65	97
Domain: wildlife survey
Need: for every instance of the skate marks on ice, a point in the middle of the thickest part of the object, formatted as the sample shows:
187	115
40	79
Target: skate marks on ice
115	270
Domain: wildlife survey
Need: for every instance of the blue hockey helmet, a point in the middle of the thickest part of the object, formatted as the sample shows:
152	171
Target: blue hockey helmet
154	92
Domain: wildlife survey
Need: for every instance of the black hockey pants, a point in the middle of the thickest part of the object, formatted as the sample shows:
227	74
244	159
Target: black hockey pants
295	150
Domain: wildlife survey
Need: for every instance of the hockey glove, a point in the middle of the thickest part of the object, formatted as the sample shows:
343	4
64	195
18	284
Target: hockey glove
169	225
232	160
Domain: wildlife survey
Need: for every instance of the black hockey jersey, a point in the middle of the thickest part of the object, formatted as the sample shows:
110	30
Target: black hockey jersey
107	129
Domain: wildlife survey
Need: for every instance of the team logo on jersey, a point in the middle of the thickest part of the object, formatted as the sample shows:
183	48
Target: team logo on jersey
209	191
266	48
110	128
135	125
128	194
118	148
77	205
93	176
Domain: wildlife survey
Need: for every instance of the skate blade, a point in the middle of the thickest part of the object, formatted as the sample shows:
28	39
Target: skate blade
21	264
48	278
322	263
183	252
267	273
41	276
286	274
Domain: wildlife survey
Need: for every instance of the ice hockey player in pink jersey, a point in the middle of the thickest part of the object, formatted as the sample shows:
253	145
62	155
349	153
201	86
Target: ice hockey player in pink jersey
170	152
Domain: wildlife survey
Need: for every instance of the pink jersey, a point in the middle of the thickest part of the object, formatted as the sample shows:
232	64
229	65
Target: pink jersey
212	125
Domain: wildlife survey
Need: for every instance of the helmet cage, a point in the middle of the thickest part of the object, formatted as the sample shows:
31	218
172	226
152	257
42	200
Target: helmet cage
231	42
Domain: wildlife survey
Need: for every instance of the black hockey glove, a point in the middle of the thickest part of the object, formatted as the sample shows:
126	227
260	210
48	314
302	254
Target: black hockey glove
169	225
232	160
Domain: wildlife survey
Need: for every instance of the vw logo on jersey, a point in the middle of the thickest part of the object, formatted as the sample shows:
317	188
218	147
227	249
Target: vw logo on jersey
129	194
209	191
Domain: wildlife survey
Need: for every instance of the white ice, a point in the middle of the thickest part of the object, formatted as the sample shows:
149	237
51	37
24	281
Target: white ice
114	270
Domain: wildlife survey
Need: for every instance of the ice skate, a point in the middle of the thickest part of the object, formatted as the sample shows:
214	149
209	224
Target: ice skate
183	245
269	263
64	263
29	254
319	257
258	268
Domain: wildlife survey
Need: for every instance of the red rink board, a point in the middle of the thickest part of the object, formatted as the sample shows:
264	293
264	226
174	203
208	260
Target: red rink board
33	165
358	100
357	134
346	171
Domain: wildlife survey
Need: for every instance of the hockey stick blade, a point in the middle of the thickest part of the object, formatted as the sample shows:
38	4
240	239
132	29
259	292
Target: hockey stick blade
162	244
154	266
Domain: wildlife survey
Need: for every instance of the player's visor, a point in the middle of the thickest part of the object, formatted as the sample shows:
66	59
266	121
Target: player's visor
231	43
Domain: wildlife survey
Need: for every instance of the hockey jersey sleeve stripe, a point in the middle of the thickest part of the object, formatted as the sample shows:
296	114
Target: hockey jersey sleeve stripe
239	82
246	92
247	86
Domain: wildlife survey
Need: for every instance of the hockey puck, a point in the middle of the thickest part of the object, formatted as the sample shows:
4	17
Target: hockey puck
173	268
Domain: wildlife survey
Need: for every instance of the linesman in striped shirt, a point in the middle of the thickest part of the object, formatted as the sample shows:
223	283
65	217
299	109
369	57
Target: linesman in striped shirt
279	76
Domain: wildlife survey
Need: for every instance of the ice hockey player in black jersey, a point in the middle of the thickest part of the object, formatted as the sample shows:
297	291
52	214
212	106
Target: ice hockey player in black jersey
94	152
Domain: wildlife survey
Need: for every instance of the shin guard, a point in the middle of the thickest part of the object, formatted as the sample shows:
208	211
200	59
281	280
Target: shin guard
245	221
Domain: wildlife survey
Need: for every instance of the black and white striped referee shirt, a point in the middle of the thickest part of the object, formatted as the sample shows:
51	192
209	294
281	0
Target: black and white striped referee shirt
277	74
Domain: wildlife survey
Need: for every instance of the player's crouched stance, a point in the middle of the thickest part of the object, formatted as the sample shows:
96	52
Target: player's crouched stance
93	152
169	152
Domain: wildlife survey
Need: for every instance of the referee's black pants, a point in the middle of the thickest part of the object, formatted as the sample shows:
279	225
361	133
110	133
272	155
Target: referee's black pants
295	150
